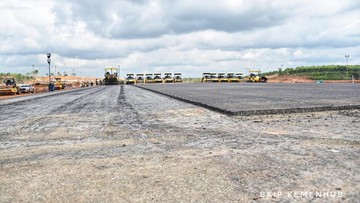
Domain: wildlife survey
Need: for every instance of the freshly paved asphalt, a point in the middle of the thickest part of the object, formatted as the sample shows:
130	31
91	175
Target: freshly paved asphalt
265	98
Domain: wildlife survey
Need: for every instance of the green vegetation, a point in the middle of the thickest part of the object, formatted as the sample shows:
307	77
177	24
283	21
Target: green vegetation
19	78
327	72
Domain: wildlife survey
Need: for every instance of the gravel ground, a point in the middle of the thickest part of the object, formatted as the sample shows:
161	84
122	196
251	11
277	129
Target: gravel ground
125	144
264	98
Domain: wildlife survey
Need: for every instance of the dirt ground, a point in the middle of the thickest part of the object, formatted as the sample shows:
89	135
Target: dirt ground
125	144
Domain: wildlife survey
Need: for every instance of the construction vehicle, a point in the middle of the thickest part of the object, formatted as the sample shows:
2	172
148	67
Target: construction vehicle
213	77
58	84
111	76
177	77
221	77
140	78
149	78
157	78
239	75
206	77
168	78
130	79
232	77
9	87
256	77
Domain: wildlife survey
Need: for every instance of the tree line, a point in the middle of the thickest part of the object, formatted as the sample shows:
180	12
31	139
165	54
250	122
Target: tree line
19	78
325	72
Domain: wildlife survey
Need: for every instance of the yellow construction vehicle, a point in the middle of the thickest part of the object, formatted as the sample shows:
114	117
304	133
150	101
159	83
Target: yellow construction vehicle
140	78
206	77
239	75
58	84
168	78
130	79
111	76
232	77
213	77
9	87
256	77
221	77
157	78
149	78
177	77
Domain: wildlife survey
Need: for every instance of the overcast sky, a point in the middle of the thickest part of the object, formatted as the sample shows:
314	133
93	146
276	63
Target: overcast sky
188	36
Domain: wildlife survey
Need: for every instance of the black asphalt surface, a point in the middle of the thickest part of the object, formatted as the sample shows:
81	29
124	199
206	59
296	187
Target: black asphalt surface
264	98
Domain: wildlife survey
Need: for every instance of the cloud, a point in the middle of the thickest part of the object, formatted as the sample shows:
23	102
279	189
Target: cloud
181	35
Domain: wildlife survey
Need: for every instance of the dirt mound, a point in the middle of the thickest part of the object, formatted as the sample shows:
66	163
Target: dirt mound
289	79
45	79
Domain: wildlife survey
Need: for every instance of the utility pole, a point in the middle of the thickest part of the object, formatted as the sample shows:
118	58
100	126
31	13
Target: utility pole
347	67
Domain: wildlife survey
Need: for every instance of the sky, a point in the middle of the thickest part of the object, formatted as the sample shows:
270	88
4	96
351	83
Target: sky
187	36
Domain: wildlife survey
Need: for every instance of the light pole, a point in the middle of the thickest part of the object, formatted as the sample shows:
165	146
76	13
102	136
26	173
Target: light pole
347	66
49	61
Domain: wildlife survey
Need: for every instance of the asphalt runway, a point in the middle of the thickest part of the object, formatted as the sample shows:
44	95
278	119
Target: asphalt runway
82	145
265	98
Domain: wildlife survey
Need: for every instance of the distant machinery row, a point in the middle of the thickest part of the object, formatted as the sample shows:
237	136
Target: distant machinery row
233	77
153	78
222	77
112	78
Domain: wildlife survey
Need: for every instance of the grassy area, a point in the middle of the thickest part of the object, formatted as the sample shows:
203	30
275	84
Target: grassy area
328	72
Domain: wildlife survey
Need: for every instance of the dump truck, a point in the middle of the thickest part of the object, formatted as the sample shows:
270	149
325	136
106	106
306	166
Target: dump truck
130	79
140	78
157	78
177	77
168	78
149	78
9	87
111	76
256	77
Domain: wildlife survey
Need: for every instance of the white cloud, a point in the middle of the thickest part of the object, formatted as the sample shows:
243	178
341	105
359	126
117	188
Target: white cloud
182	35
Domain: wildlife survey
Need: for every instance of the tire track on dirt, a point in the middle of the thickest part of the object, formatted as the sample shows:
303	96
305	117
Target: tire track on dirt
75	105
